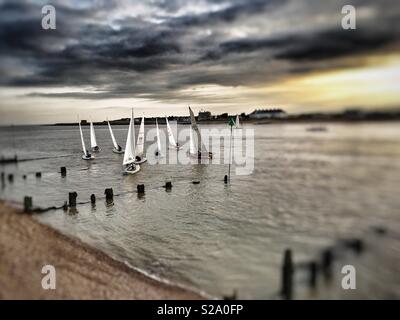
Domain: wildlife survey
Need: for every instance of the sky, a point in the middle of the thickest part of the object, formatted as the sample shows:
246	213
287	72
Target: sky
159	56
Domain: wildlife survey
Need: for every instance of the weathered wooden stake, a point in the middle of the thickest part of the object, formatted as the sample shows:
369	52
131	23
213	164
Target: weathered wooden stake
63	171
38	174
140	188
72	199
287	275
28	204
313	274
93	198
168	185
24	177
357	245
327	262
226	179
11	178
109	194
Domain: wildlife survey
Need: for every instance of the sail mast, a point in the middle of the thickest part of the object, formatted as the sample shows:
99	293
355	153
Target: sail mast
112	136
158	138
82	140
93	141
196	129
171	138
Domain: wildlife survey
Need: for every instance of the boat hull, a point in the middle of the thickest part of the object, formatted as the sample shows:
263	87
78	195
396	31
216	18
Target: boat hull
137	169
84	157
143	160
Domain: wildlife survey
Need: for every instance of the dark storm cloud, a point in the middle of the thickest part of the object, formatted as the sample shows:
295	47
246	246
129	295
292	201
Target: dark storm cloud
157	53
334	44
329	44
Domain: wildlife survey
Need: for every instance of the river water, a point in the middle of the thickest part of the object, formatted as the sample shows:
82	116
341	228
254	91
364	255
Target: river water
308	189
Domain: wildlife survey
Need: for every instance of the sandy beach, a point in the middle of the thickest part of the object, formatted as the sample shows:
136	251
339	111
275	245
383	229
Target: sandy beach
81	271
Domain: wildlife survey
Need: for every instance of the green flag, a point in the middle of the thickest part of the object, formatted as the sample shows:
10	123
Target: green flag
231	122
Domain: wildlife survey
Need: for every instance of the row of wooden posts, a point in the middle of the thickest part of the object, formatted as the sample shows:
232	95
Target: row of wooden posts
10	176
323	265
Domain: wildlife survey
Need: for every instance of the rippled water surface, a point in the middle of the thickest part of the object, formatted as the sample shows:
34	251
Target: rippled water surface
308	190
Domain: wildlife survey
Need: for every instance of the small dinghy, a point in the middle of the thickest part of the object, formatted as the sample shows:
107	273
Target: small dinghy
140	157
86	155
237	123
158	153
129	157
172	143
117	147
93	141
200	152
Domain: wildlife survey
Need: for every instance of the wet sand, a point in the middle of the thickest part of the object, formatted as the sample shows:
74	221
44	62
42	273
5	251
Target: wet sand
81	271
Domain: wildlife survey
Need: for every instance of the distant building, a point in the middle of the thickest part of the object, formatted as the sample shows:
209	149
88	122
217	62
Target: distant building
184	120
267	114
204	115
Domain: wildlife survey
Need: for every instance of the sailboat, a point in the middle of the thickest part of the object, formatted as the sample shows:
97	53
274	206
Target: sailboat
129	157
158	152
93	141
172	143
201	152
86	155
237	123
140	158
117	147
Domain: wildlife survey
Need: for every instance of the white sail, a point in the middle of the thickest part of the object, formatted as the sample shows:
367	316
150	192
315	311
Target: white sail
140	140
171	138
129	156
112	136
158	138
82	140
237	123
196	129
192	149
93	141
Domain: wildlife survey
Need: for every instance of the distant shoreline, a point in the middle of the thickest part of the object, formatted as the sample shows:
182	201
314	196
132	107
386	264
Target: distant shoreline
150	121
82	272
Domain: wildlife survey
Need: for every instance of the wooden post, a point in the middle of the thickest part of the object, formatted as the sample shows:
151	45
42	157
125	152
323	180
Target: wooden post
168	185
230	156
24	177
27	204
38	174
63	171
327	262
287	275
93	198
72	199
11	178
140	188
109	194
313	274
226	179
